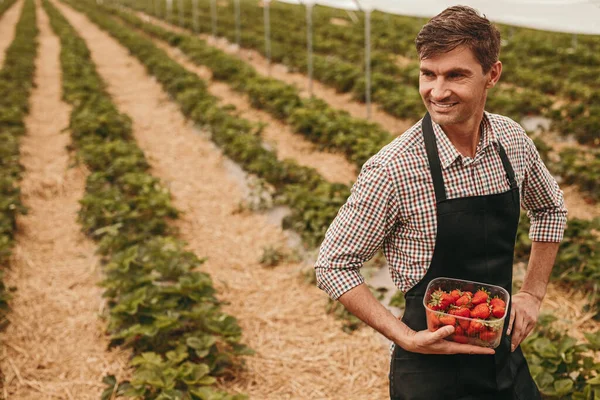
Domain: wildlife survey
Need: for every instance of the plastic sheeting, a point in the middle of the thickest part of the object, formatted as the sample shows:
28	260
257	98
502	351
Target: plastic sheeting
571	16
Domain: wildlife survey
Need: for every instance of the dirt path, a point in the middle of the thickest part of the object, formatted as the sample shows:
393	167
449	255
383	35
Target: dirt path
332	166
55	346
342	101
8	23
301	352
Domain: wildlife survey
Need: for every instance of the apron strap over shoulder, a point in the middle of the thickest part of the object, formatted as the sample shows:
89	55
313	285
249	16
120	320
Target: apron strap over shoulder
510	173
434	158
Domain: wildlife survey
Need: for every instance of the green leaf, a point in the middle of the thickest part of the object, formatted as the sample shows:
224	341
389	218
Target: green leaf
563	386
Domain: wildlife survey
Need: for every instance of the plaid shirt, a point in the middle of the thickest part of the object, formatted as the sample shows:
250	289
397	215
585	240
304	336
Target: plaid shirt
392	204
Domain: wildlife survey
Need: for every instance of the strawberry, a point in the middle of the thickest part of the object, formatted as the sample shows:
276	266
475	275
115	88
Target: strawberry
498	312
488	335
474	328
434	321
440	300
448	320
461	339
481	296
459	331
455	295
481	311
464	300
464	323
497	302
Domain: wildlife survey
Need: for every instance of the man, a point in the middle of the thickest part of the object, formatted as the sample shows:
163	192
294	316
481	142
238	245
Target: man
443	199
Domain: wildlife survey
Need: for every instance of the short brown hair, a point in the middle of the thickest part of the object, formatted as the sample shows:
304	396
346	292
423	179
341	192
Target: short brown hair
457	26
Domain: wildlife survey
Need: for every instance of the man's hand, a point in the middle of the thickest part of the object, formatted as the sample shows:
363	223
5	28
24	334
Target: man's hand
427	342
523	317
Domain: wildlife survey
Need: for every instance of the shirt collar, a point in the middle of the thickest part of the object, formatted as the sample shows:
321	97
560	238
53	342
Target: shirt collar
446	150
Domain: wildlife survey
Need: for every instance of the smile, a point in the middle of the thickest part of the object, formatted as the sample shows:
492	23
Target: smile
443	105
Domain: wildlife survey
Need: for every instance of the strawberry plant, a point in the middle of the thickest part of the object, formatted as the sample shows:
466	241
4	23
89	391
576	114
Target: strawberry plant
562	368
16	81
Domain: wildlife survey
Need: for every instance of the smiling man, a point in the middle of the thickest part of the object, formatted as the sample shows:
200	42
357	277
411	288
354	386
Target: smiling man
444	199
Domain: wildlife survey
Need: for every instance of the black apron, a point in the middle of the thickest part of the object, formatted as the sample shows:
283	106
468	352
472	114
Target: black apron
475	241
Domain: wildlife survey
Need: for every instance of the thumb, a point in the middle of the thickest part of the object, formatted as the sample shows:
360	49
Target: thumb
441	333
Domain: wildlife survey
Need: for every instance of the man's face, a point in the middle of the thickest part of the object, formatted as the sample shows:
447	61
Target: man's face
454	87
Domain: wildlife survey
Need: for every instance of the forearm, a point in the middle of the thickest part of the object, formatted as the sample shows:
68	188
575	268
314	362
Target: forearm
361	302
541	261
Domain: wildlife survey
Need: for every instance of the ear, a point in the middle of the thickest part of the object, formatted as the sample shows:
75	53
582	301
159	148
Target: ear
493	75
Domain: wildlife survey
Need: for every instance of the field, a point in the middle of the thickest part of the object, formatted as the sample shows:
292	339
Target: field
163	194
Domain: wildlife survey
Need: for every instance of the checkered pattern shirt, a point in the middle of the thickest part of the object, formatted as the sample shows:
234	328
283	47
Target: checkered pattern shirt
392	204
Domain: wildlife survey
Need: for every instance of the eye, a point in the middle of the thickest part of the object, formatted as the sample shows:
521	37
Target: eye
455	75
427	73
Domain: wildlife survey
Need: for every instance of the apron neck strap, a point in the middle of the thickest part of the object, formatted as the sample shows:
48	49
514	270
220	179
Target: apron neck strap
434	158
436	167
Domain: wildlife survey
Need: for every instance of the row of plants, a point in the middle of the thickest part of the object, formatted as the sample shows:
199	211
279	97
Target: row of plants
4	6
16	82
161	305
328	128
339	60
313	201
325	126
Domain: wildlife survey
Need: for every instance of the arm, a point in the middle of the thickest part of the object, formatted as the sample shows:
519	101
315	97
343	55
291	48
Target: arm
358	230
361	302
543	200
526	304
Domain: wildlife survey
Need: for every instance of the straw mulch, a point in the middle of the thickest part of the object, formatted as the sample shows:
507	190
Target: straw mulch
54	346
8	23
301	352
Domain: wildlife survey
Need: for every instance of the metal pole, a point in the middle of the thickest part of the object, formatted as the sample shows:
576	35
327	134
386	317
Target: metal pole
309	45
180	7
213	16
195	16
267	33
169	10
238	31
368	61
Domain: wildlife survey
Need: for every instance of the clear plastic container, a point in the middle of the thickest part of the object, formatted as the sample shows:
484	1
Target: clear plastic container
478	332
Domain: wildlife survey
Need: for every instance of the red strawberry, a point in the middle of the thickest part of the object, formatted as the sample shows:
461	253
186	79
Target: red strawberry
481	311
488	335
455	295
461	339
459	330
464	323
464	300
434	321
448	320
497	302
474	328
498	312
480	297
440	300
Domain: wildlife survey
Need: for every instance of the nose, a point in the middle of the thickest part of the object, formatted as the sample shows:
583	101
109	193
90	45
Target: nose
439	90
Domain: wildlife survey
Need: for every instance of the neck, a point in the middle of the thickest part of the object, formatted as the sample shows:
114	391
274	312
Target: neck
464	136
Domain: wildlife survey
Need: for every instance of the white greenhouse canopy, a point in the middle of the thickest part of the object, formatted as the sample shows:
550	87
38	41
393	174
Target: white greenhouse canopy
570	16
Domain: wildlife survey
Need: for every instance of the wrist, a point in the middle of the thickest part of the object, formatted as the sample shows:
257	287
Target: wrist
538	296
406	338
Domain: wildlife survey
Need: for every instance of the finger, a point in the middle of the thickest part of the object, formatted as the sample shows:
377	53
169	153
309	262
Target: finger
519	326
440	334
511	320
459	348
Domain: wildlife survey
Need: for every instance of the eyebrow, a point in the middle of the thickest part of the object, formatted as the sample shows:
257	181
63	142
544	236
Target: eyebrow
463	71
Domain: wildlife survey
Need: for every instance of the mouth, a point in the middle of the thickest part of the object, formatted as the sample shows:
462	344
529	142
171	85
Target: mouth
442	106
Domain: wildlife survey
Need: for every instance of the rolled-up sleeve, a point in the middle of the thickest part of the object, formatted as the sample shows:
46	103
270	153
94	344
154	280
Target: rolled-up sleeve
357	231
543	200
